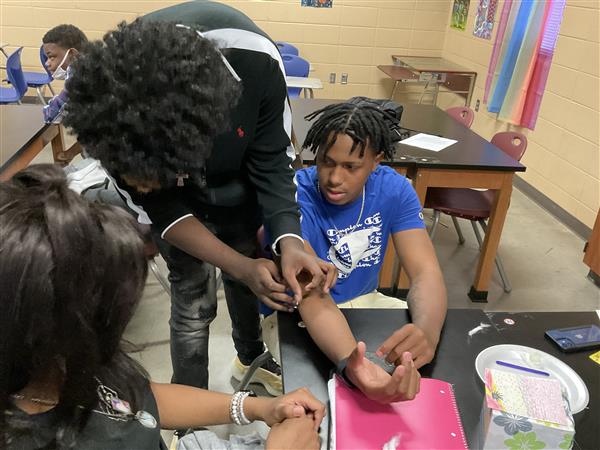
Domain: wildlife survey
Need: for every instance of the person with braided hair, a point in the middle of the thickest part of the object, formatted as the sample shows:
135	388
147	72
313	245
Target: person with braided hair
350	206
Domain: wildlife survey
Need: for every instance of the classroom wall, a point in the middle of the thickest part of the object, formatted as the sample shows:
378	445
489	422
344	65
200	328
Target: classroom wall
355	36
562	156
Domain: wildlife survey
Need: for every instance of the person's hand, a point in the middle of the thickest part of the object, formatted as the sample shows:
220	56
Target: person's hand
298	403
262	277
379	385
295	260
293	434
409	338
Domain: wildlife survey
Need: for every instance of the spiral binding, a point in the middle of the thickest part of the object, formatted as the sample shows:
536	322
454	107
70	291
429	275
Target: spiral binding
457	412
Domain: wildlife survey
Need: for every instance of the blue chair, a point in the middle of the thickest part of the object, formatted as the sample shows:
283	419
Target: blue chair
38	80
295	66
286	49
14	72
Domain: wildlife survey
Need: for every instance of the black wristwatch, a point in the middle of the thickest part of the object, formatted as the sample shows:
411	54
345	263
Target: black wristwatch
340	369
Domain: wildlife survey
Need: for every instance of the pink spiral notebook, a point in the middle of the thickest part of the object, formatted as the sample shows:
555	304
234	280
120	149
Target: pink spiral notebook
430	421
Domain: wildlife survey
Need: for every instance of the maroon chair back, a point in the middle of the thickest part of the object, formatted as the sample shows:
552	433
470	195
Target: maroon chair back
512	143
462	114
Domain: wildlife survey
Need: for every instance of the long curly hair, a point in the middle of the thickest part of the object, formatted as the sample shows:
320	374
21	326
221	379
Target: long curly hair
71	275
148	100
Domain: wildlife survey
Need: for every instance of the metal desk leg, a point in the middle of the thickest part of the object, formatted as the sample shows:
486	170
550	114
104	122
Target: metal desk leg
470	94
394	89
311	93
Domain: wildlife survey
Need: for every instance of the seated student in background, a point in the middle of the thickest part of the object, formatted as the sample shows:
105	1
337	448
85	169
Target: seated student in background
65	381
62	45
350	206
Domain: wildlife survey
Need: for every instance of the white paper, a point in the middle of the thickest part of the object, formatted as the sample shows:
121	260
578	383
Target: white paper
428	142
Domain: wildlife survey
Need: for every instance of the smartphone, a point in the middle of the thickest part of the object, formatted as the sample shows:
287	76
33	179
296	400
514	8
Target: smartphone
573	339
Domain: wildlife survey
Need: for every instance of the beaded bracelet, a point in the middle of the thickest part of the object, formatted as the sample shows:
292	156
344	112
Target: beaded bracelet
236	408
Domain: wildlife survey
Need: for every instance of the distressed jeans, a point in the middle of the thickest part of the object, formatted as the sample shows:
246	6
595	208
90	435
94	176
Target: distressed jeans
194	299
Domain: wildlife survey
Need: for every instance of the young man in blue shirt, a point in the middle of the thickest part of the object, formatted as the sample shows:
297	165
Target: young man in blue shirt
350	206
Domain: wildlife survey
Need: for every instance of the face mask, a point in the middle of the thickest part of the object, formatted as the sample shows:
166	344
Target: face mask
60	73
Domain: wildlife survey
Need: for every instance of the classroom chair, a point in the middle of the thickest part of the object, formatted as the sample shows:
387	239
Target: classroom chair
462	114
286	49
39	80
295	66
474	205
14	72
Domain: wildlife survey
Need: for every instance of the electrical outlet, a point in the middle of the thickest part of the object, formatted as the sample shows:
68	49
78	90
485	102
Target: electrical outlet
477	105
344	78
332	78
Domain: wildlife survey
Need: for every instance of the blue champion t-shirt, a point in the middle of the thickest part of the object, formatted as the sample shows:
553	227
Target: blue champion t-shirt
391	205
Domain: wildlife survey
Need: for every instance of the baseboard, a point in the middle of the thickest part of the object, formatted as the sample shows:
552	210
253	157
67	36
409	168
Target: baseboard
571	222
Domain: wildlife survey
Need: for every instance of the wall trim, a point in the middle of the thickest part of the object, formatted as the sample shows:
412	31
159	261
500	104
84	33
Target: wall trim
567	219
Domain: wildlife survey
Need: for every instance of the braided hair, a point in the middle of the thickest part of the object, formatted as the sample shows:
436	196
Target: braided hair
364	123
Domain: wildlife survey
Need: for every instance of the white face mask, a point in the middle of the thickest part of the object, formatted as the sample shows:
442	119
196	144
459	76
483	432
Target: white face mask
60	73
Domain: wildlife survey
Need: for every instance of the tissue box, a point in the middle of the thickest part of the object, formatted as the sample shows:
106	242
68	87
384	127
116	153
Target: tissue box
521	412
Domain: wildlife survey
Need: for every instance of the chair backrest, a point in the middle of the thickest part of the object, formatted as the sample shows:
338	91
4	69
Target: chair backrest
462	114
286	49
43	59
512	143
295	66
14	72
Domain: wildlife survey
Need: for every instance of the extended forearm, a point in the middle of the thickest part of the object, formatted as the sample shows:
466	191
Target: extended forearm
327	326
428	304
191	236
182	406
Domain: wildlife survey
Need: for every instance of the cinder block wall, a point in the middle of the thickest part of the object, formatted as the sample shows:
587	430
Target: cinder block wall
355	36
562	157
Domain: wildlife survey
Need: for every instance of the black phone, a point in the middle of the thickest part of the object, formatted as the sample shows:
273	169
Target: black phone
585	337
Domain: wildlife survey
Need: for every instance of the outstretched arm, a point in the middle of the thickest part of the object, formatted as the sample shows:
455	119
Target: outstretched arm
329	329
182	406
426	300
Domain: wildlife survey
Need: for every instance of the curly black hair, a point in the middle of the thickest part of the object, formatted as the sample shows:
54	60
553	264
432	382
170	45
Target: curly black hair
66	36
148	100
364	123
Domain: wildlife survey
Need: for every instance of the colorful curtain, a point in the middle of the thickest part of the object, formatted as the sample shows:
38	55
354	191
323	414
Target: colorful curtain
521	59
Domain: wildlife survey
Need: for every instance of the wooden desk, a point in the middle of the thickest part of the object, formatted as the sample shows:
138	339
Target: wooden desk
303	364
442	72
24	135
399	75
472	162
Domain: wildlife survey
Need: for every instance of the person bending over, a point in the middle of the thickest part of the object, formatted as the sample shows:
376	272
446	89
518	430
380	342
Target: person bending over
71	275
198	136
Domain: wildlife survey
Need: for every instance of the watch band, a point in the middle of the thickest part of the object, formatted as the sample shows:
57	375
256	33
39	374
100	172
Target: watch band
340	369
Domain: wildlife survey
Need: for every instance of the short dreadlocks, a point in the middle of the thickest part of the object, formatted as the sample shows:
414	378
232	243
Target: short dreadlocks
364	123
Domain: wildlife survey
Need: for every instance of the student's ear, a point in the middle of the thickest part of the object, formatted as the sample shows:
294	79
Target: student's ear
74	54
377	160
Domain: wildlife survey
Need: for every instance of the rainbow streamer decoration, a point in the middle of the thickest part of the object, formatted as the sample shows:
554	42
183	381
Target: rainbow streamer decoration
521	59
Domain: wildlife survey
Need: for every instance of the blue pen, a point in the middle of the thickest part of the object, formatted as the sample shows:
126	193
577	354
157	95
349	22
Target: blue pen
526	369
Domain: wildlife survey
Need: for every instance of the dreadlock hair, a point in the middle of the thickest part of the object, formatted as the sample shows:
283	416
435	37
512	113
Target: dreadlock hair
66	36
148	100
364	123
71	275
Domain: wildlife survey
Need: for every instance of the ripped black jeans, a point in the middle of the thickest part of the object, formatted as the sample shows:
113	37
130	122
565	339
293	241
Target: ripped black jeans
194	298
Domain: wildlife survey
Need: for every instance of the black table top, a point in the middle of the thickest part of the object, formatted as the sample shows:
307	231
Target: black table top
305	365
471	152
19	126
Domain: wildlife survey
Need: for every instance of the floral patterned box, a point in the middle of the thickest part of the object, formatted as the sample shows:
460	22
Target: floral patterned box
524	412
